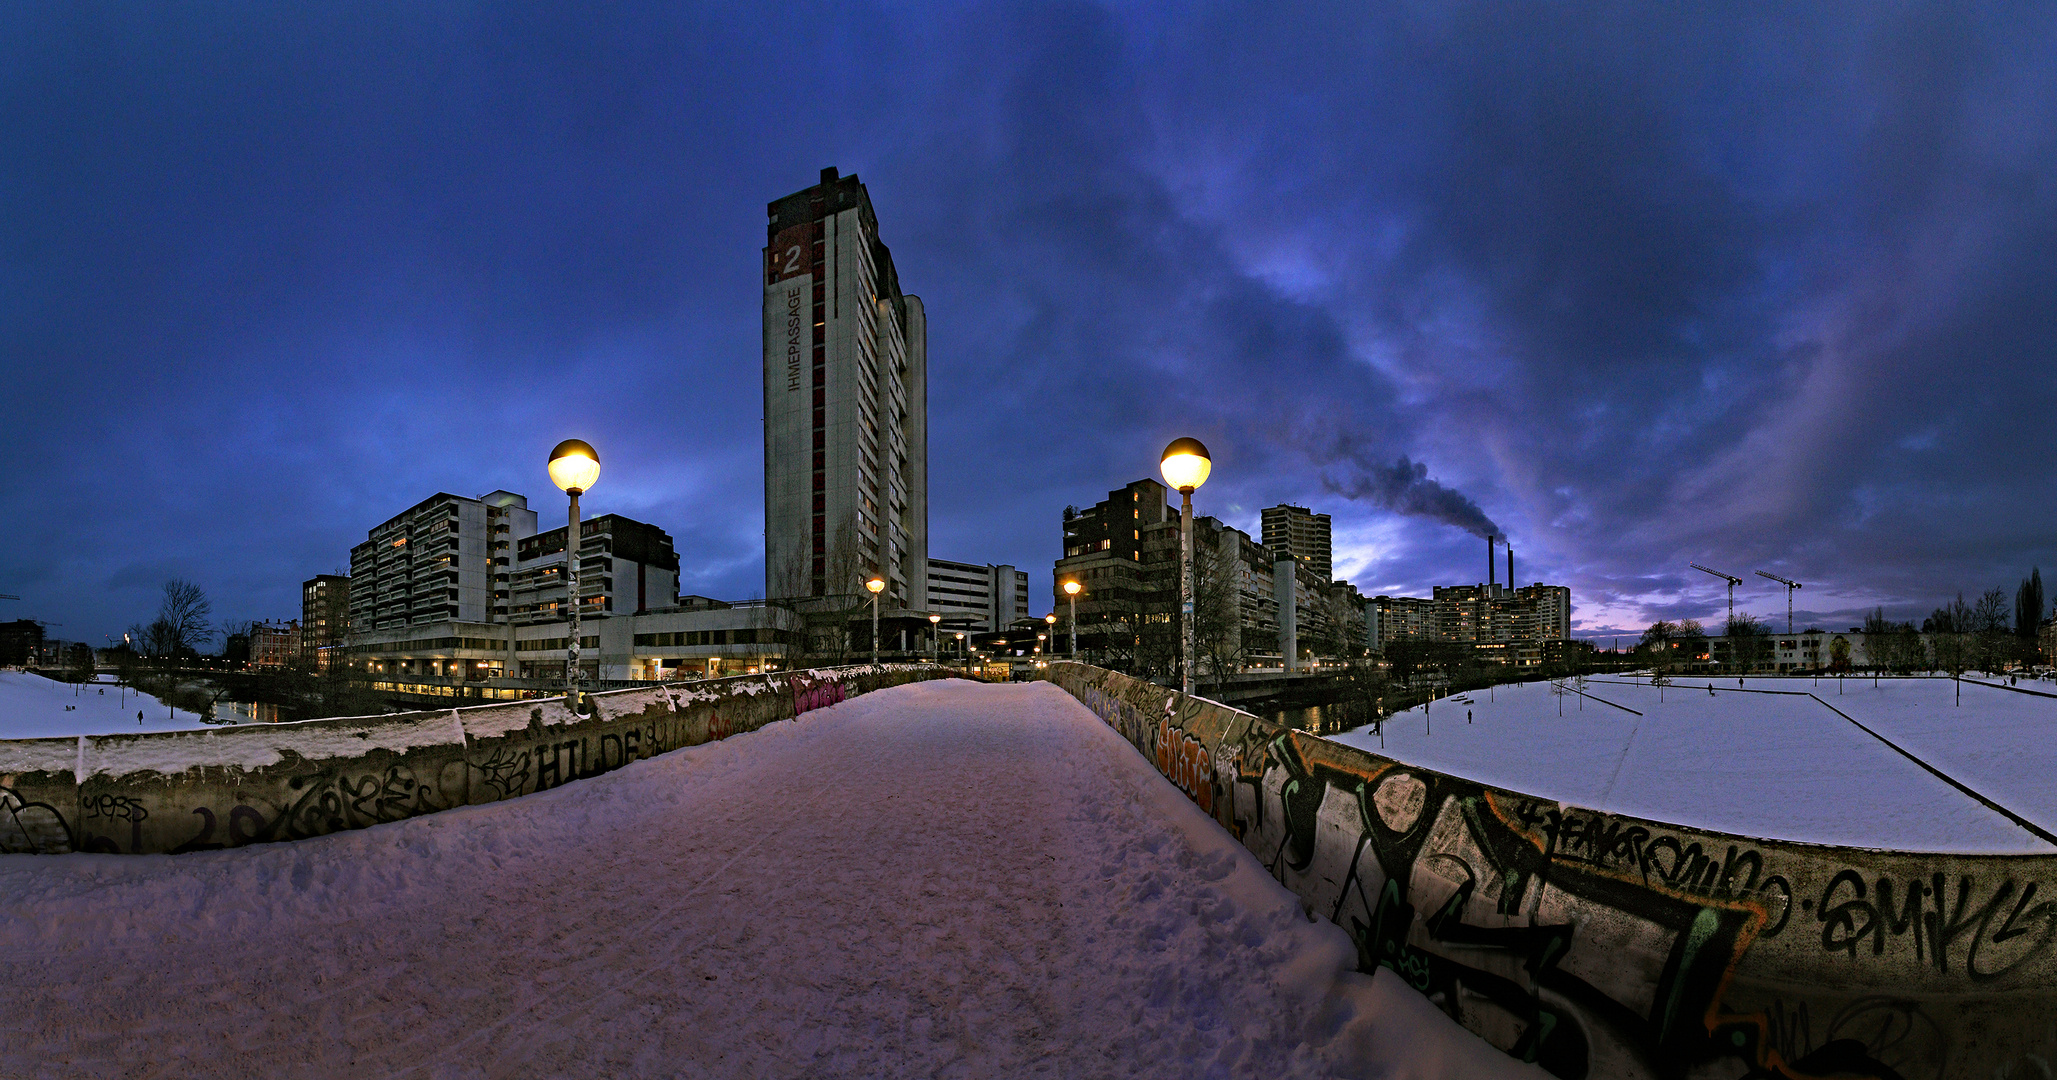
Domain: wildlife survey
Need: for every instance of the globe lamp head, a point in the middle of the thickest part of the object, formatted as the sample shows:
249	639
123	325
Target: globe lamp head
1186	465
574	466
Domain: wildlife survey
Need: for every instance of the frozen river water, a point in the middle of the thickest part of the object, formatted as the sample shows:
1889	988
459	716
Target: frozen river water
941	879
1763	760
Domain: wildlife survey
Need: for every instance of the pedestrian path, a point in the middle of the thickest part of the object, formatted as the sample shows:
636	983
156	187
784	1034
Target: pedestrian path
941	879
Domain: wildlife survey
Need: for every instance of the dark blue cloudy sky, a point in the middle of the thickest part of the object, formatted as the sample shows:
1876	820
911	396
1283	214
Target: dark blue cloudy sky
1774	290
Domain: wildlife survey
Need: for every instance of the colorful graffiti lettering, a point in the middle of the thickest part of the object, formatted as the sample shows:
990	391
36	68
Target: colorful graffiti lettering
1184	760
809	695
1597	945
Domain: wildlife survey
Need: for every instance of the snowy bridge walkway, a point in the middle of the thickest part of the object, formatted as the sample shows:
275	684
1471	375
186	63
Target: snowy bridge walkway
942	879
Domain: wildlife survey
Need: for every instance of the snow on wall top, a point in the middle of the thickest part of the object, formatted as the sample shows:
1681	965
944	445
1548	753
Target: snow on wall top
256	746
38	755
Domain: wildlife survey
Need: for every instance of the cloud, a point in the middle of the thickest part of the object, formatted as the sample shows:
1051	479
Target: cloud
1657	285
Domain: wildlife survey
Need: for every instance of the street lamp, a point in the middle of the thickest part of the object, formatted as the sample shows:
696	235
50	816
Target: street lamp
1185	467
1071	589
573	466
966	657
877	585
935	640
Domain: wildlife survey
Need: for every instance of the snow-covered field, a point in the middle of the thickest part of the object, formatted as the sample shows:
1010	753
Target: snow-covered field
942	879
1778	766
33	707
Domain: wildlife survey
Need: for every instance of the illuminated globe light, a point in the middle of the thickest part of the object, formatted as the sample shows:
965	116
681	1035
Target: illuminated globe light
574	466
876	585
1071	588
1186	465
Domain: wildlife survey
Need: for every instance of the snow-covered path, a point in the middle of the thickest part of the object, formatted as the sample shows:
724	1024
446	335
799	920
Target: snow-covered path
942	879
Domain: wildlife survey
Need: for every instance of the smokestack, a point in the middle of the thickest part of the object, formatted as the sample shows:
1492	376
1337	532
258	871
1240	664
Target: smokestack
1489	559
1510	566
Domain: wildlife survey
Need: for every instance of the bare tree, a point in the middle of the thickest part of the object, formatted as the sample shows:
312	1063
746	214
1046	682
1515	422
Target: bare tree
1657	642
1749	642
1117	636
1992	635
2028	612
181	626
1690	643
1217	609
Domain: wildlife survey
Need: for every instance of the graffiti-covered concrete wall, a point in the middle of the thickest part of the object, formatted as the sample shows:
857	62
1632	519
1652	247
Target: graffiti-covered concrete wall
1610	947
199	790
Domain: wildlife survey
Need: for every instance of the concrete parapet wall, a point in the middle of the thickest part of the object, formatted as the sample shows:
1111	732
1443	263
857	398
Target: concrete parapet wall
1603	946
200	790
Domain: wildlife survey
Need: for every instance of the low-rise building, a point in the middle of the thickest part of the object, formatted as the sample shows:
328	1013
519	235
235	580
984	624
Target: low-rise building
274	645
975	597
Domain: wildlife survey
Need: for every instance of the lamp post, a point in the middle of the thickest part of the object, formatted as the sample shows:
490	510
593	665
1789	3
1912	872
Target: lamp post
961	654
935	640
1071	591
877	585
573	466
1051	619
1185	467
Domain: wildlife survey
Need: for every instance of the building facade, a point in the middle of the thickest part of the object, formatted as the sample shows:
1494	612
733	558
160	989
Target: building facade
625	567
275	645
1511	626
1302	534
324	617
693	638
441	560
845	404
976	597
1124	553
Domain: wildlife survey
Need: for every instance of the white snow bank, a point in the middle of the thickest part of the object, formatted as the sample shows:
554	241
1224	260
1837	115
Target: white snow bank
944	879
33	707
1774	766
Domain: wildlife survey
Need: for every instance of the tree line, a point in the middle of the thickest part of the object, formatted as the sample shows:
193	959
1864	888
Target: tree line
1989	633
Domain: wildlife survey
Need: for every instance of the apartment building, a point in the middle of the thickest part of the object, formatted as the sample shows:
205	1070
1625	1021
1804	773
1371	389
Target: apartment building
324	617
845	403
625	567
1505	625
274	645
440	560
1124	552
1302	534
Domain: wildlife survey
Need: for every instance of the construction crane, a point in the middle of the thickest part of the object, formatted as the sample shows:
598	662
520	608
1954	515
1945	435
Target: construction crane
1790	586
1733	581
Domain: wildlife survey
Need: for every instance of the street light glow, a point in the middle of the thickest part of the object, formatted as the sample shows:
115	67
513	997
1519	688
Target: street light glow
1071	588
1186	465
876	585
574	466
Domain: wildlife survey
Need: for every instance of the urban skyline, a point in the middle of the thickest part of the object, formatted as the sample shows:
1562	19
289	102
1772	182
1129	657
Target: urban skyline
1779	365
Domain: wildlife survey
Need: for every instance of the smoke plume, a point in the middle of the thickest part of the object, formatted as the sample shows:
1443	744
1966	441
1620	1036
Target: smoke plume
1404	487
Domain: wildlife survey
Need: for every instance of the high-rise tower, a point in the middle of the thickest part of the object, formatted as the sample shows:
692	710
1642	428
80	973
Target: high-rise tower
845	403
1302	534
